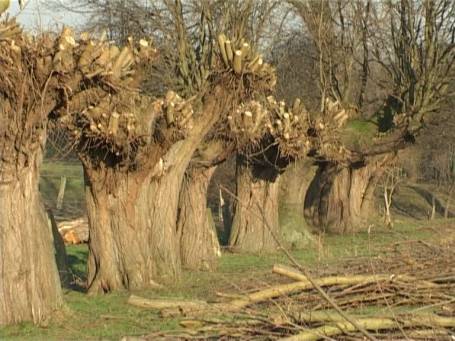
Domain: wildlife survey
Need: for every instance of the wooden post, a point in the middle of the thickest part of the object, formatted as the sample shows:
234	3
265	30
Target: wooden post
61	192
221	207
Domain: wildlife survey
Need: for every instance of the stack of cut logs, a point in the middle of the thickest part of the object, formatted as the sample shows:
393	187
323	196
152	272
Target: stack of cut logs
74	231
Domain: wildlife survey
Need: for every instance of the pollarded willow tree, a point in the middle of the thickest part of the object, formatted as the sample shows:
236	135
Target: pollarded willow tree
289	134
341	194
198	240
30	286
387	65
243	127
39	77
135	151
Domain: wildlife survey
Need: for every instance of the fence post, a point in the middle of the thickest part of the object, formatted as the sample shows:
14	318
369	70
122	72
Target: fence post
61	192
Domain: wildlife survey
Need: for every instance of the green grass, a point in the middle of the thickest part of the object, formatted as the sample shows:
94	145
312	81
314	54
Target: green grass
77	258
109	317
358	133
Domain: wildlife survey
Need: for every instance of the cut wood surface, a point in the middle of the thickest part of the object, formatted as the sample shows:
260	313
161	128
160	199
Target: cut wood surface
345	280
166	304
74	231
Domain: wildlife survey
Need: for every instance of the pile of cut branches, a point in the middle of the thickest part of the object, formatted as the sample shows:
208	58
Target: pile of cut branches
406	300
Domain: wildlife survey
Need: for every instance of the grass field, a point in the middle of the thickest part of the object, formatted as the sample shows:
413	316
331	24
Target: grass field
109	317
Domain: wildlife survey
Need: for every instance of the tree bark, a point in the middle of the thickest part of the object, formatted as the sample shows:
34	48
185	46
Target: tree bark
133	241
29	283
340	199
119	238
199	246
255	221
294	183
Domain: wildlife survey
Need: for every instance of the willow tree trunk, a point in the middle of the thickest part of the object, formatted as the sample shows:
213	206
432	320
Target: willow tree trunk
29	282
119	251
199	246
133	241
255	224
294	183
340	199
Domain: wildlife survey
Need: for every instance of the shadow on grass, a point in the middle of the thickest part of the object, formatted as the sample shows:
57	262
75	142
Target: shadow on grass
77	261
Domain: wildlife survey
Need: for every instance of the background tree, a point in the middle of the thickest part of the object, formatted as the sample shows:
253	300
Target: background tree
245	22
430	161
391	179
255	226
387	78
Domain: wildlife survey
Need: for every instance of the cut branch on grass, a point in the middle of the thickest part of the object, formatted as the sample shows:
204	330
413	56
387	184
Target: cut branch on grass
285	315
374	324
348	280
195	307
166	304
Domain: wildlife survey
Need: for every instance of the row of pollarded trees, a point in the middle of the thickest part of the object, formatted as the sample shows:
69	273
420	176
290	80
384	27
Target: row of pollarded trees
393	63
379	59
139	139
382	70
252	129
134	148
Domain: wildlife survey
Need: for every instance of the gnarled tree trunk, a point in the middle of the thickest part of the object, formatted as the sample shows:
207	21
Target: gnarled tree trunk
118	220
340	199
29	283
133	239
294	183
199	246
255	221
132	214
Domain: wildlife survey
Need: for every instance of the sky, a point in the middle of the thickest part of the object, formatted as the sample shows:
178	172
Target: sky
36	16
